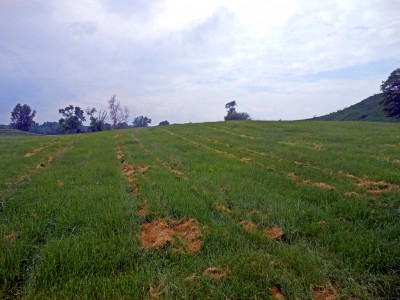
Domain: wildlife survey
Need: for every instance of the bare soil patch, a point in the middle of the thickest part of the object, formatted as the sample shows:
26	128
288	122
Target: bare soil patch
320	185
277	293
34	152
216	273
248	226
223	208
321	293
11	237
145	208
183	236
274	233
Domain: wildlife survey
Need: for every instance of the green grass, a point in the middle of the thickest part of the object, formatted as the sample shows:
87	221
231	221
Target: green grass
69	226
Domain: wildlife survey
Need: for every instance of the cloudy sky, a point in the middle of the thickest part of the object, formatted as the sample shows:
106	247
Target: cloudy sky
182	60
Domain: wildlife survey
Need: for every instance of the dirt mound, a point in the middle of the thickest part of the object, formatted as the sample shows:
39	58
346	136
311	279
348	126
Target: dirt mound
245	159
11	237
41	166
274	233
34	152
376	187
319	185
223	208
183	236
323	294
276	291
248	225
351	194
216	273
145	209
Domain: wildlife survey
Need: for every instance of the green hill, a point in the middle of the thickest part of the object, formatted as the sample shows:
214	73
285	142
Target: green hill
14	132
367	110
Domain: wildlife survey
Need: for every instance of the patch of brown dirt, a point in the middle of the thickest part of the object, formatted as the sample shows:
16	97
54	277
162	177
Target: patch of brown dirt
274	233
293	177
200	189
41	166
58	154
131	175
145	209
11	237
227	154
223	208
351	194
248	225
323	186
376	187
301	164
183	236
142	170
193	278
216	273
34	152
155	293
276	291
179	173
320	185
323	294
312	146
245	159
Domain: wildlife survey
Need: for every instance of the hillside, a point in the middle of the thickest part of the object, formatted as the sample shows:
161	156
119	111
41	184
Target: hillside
228	210
366	110
14	132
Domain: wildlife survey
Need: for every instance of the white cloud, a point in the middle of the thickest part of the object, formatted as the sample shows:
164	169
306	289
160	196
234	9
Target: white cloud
183	60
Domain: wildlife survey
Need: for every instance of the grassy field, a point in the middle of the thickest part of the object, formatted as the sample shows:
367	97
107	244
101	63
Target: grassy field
237	210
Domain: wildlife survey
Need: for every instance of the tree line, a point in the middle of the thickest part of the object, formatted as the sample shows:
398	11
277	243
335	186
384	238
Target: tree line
115	117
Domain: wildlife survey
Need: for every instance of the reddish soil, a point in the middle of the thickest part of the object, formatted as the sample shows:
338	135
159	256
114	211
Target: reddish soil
144	210
182	236
276	291
274	233
323	294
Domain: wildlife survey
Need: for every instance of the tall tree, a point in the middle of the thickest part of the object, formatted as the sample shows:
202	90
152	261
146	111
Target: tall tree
391	94
96	123
141	121
230	106
72	121
118	114
233	115
22	117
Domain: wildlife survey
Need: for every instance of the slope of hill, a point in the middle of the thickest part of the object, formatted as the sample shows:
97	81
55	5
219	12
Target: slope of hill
367	110
14	132
228	210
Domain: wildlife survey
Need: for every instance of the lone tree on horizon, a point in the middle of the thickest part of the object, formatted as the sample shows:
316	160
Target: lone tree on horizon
72	119
391	94
22	117
118	114
232	115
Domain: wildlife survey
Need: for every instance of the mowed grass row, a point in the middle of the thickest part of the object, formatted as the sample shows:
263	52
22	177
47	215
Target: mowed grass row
72	228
